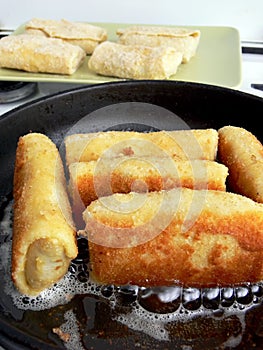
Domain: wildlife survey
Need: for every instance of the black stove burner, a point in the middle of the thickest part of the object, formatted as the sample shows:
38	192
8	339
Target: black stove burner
11	91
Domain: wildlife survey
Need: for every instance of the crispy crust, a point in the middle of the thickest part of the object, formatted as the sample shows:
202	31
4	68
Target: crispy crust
44	239
179	144
90	180
242	153
204	238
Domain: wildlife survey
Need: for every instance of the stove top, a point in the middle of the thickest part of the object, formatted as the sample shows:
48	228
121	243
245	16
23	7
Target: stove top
27	92
14	94
13	91
252	71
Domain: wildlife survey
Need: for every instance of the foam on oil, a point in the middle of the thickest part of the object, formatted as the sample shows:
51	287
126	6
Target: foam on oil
176	304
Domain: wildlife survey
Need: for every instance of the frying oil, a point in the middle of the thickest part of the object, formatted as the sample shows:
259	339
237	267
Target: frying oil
147	310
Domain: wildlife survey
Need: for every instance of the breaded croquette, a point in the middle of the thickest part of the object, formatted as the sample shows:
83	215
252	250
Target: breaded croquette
191	237
180	144
242	153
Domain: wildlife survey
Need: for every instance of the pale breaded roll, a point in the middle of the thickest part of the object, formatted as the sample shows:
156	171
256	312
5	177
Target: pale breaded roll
179	144
195	238
38	54
44	239
134	62
85	35
242	153
94	179
181	39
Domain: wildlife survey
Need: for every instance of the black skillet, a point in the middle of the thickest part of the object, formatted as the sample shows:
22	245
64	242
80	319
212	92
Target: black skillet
187	105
